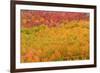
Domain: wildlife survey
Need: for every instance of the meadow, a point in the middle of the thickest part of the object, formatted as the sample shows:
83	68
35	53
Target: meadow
54	36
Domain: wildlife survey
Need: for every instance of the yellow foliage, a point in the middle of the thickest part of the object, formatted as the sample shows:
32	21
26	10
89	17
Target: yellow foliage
69	41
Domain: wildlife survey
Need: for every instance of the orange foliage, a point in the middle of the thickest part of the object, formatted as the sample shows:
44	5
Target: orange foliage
54	36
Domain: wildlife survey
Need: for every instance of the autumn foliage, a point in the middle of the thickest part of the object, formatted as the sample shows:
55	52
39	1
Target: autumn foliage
54	36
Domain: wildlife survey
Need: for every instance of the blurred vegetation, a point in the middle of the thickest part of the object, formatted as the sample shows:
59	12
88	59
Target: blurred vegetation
68	41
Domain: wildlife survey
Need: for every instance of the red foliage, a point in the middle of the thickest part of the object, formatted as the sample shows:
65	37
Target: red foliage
50	18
